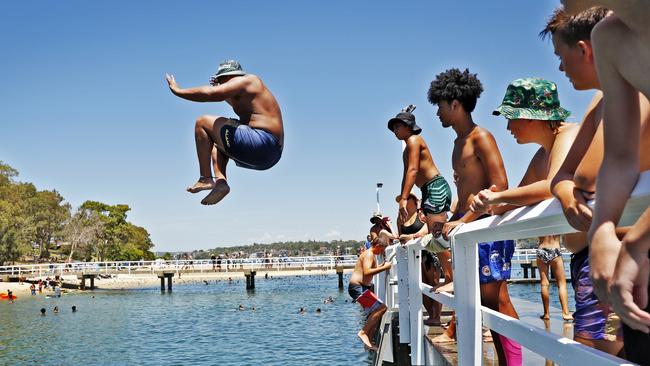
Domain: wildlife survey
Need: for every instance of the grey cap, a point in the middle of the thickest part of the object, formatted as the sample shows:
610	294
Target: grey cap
229	67
226	68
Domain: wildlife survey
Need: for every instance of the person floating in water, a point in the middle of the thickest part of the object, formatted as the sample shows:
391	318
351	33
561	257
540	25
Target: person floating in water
254	141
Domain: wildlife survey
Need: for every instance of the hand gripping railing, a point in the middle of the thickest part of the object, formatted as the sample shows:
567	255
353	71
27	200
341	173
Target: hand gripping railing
544	218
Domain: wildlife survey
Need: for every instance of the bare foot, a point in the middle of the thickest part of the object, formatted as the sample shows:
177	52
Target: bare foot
202	184
219	191
544	317
366	341
567	317
443	338
432	322
447	287
487	336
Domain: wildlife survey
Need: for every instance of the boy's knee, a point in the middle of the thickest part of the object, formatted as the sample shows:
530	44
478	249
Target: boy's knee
204	121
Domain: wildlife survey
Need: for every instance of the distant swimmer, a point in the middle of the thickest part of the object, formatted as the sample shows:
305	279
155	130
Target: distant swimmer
318	311
254	141
329	300
301	311
74	308
56	310
241	307
42	311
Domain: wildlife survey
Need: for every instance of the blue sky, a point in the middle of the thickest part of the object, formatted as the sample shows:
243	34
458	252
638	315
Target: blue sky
86	111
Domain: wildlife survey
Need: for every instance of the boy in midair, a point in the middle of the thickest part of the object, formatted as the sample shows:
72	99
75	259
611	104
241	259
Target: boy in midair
254	141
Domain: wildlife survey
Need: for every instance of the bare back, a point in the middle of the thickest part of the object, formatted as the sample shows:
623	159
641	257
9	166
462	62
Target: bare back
255	105
367	258
427	168
477	164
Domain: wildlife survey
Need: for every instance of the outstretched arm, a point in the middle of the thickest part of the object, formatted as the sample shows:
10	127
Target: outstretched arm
536	184
207	93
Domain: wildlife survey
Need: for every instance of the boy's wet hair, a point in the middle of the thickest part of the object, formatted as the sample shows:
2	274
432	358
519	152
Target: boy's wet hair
453	84
573	28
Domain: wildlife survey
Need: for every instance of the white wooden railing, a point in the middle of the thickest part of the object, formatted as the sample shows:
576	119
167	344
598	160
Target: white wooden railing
545	218
202	265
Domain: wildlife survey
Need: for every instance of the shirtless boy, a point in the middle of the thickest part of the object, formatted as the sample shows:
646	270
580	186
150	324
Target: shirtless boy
253	141
534	115
421	171
477	165
360	289
575	181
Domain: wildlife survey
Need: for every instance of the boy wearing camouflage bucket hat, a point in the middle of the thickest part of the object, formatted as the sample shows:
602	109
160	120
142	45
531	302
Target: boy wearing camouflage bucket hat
254	141
534	115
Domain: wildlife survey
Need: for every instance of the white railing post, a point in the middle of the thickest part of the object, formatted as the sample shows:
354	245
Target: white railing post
403	294
415	306
468	302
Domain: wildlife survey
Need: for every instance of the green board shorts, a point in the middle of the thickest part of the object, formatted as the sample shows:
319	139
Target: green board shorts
436	196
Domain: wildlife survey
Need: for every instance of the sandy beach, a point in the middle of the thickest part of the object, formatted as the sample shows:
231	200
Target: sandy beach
148	280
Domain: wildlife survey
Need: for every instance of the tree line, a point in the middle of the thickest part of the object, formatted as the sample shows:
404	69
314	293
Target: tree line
37	223
289	248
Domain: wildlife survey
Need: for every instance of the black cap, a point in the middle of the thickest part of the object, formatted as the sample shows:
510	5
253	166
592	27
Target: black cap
406	118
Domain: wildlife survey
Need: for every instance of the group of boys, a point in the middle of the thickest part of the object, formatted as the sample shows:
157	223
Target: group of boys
610	265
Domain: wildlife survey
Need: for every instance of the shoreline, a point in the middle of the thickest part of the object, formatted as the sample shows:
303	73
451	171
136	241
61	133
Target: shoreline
148	280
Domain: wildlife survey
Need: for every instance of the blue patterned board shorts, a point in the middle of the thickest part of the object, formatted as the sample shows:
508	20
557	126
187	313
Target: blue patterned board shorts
494	260
591	320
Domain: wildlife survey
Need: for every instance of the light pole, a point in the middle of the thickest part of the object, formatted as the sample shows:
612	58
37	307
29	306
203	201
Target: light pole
379	185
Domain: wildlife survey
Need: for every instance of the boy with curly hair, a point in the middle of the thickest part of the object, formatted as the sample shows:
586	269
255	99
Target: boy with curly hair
477	165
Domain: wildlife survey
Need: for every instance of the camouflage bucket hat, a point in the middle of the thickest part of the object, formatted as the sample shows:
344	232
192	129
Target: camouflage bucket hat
532	98
228	67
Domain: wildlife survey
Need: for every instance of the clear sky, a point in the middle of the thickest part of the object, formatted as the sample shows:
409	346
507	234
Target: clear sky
85	108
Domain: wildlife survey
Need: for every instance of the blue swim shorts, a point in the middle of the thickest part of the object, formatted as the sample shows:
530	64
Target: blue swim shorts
249	147
494	260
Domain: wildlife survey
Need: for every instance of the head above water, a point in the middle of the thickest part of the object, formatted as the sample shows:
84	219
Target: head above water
571	37
227	68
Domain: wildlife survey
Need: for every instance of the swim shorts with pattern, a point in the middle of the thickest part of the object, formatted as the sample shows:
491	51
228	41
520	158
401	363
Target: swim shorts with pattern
436	196
591	320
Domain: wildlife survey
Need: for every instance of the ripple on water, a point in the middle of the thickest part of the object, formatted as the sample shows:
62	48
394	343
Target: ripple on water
196	323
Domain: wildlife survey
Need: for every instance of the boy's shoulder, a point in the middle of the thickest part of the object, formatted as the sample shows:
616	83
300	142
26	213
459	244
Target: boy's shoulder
480	134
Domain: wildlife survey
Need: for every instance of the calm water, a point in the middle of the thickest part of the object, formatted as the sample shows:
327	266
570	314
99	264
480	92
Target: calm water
196	324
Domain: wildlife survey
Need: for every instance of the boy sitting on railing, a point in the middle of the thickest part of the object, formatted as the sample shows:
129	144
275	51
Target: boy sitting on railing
477	165
361	291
